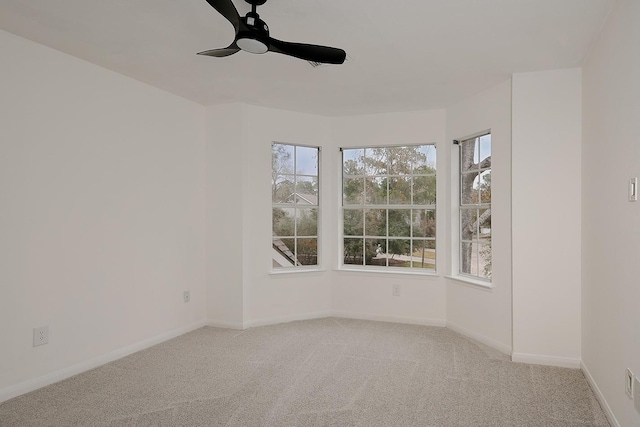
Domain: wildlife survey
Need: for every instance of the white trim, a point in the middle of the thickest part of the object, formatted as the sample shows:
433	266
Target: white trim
389	270
474	135
285	319
471	282
501	347
414	144
381	318
226	325
64	373
294	270
596	390
538	359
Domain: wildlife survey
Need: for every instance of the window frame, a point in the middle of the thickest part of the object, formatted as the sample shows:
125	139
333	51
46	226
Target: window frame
387	207
297	206
457	272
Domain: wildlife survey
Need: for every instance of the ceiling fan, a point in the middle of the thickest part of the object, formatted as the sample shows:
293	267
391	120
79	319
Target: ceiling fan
252	35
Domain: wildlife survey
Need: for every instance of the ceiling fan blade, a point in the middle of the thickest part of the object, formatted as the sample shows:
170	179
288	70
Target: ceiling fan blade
309	52
228	10
219	53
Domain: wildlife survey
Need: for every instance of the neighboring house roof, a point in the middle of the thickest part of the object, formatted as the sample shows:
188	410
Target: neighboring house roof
310	199
282	249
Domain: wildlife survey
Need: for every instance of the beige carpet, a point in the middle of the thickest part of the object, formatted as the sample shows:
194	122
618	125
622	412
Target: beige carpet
326	372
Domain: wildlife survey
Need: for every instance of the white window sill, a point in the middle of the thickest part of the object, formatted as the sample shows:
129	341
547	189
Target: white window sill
373	271
288	271
471	282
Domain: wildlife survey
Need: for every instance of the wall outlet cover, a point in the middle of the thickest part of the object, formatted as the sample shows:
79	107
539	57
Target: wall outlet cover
396	290
186	296
40	336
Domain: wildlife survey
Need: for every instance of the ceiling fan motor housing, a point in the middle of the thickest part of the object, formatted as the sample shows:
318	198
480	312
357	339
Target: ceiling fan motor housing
252	35
256	38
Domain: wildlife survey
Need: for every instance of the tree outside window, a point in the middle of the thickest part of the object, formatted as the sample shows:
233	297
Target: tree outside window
389	207
295	195
475	207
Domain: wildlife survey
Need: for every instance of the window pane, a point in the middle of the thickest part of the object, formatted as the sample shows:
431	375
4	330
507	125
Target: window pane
352	222
353	161
282	159
468	259
424	223
484	261
375	162
307	222
308	251
424	190
424	254
283	253
425	161
352	191
484	224
307	161
468	189
468	155
353	252
376	190
485	148
307	190
283	221
400	159
400	191
400	222
282	187
375	222
468	225
484	183
375	252
399	253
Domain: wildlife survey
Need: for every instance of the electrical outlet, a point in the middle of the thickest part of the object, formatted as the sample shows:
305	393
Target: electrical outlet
40	336
186	296
396	290
628	382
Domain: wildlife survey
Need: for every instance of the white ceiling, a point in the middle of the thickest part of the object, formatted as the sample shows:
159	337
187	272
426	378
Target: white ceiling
403	55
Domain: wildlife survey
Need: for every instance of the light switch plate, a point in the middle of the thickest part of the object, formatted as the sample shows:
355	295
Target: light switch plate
633	189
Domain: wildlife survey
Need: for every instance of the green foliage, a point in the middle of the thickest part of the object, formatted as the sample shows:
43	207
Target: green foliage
384	177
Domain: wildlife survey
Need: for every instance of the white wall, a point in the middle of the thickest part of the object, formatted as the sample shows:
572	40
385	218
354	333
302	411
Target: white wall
275	297
369	295
546	182
101	212
484	314
611	224
241	289
225	166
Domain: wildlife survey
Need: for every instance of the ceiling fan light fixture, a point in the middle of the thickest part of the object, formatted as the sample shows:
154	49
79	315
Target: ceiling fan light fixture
252	35
252	45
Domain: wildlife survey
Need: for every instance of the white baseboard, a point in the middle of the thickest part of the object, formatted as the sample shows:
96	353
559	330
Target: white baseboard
62	374
603	402
226	325
380	318
537	359
285	319
501	347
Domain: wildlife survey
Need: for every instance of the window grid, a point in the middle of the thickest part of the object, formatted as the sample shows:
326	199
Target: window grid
358	245
475	208
295	215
